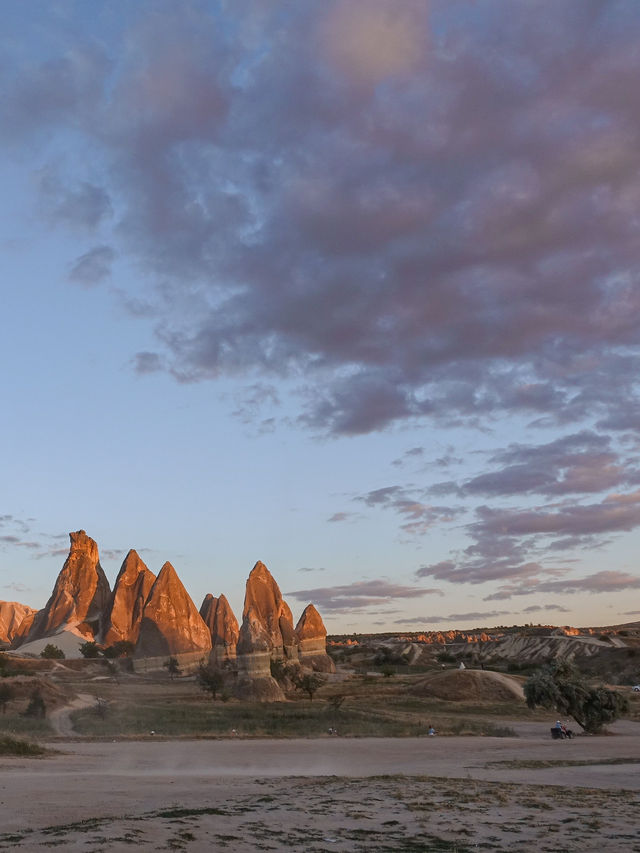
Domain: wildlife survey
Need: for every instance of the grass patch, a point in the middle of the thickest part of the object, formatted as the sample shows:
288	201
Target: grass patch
16	724
538	764
201	718
14	746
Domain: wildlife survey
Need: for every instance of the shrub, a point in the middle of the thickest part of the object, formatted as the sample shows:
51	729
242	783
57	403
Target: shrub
52	652
36	707
14	746
121	649
211	680
172	666
6	694
90	650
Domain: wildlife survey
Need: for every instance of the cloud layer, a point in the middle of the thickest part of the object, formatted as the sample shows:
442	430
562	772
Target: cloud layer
430	211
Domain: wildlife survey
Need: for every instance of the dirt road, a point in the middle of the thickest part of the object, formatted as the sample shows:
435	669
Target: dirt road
150	791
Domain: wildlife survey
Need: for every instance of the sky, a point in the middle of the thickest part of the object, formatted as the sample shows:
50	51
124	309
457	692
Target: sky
347	286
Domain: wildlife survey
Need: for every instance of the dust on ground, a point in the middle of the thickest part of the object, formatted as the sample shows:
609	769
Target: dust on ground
329	794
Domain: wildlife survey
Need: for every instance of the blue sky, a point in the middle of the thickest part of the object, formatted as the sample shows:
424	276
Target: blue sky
347	286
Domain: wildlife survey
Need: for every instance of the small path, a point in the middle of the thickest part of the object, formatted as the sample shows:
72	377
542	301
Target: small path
60	719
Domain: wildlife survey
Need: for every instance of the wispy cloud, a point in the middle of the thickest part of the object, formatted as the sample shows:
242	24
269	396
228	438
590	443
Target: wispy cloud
361	594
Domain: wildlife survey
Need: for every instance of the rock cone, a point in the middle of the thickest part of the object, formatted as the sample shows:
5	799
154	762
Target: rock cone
80	595
264	618
130	593
312	641
170	623
263	600
12	615
223	627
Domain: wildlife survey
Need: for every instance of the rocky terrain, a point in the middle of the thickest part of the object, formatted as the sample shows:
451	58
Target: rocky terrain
155	619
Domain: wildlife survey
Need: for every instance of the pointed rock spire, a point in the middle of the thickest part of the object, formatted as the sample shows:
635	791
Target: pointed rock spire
171	624
223	626
80	594
264	604
312	639
130	593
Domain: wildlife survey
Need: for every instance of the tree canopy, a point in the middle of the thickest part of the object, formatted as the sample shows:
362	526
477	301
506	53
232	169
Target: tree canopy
559	686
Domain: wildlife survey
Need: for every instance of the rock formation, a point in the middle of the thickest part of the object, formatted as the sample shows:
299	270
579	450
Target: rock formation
312	641
12	615
80	595
264	599
130	593
223	627
267	628
170	623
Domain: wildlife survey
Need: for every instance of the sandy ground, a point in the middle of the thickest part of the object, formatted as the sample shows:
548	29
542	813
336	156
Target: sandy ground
329	794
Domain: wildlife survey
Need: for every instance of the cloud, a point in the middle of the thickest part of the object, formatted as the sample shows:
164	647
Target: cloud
85	204
312	569
93	267
147	362
341	516
17	587
371	198
417	517
578	463
475	615
535	608
359	595
616	512
600	582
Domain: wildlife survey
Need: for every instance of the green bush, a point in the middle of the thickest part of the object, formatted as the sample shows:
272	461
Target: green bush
90	650
52	652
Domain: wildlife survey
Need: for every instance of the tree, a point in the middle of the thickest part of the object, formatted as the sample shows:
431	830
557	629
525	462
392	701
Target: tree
172	666
36	706
559	686
6	694
90	650
52	652
309	683
211	680
121	649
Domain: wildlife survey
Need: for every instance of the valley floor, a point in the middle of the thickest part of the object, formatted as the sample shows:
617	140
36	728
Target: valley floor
329	794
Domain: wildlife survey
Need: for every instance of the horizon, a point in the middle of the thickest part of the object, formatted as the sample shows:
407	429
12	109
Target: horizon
348	288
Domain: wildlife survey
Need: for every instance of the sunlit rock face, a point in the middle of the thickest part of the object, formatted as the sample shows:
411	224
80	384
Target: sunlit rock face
80	595
264	600
23	629
223	627
261	638
171	624
12	616
126	605
312	641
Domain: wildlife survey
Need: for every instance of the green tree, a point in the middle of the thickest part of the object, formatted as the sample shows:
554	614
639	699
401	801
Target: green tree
211	680
172	666
121	649
52	652
36	706
309	683
6	694
90	650
559	686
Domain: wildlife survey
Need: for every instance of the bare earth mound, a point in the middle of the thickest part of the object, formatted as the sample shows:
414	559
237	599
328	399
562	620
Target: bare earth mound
470	684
